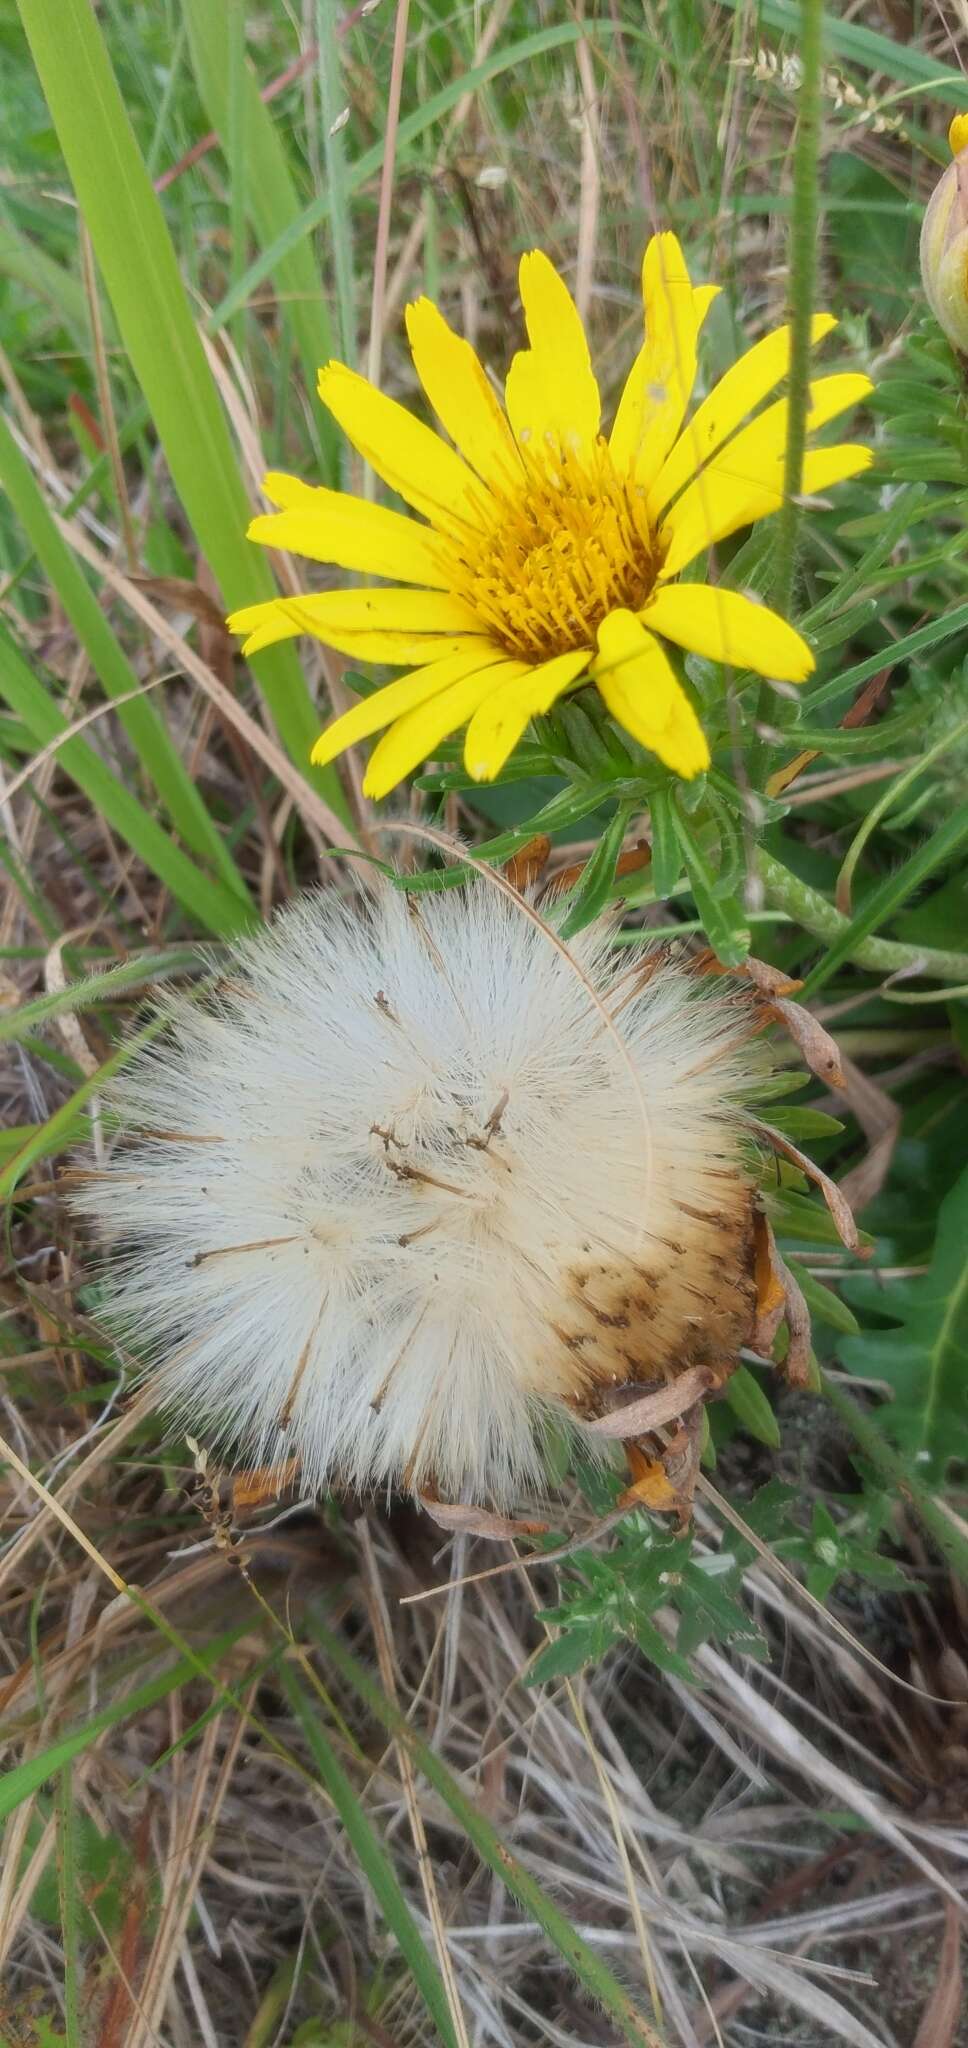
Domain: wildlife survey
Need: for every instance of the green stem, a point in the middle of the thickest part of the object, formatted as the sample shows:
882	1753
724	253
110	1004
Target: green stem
881	956
804	225
804	221
899	1477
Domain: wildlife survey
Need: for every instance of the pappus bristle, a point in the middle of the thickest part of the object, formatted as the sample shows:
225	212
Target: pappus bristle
417	1182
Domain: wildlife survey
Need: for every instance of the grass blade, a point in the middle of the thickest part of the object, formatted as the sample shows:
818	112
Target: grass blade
216	907
69	1900
96	988
591	1972
876	52
147	732
366	166
139	267
18	1784
269	194
372	1858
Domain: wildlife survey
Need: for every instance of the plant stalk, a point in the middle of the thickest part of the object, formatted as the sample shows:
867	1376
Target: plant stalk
881	956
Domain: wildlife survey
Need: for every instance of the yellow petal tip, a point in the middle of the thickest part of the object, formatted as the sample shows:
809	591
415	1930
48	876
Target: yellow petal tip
958	134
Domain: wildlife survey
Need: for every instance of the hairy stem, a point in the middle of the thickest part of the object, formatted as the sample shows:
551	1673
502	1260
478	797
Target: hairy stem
803	263
804	218
881	956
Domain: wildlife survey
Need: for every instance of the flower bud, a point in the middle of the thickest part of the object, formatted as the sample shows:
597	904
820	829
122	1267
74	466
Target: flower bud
944	242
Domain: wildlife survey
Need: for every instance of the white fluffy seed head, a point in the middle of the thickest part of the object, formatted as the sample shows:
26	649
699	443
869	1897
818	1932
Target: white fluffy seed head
417	1182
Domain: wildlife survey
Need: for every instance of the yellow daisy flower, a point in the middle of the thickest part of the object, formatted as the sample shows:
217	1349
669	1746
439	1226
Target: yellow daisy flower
547	551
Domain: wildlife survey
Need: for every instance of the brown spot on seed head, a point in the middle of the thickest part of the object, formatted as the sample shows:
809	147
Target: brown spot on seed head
642	1321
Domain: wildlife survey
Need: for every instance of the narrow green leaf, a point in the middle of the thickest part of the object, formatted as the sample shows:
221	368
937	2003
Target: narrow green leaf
751	1406
371	1857
69	1903
931	635
63	1128
799	1123
825	1306
724	919
332	100
97	988
591	891
666	851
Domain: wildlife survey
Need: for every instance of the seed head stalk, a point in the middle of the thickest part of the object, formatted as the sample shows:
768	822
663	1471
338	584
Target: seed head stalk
786	891
804	221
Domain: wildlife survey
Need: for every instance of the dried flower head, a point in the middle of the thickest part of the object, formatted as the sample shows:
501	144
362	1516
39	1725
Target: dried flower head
944	242
417	1182
550	551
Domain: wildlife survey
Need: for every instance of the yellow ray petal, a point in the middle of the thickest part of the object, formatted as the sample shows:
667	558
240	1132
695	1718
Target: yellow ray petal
374	625
496	728
653	404
744	481
410	458
284	490
461	396
737	393
640	688
824	467
551	393
262	624
404	694
415	736
725	626
331	526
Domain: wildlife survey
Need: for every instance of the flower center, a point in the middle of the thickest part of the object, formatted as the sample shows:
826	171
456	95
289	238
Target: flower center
568	547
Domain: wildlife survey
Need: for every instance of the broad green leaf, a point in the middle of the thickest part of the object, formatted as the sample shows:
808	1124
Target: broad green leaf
925	1357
